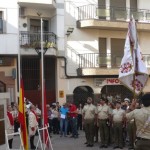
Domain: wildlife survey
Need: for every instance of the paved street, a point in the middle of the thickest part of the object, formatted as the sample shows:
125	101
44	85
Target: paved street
67	143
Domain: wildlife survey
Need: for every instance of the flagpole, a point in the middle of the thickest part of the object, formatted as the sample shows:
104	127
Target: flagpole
19	53
42	76
135	52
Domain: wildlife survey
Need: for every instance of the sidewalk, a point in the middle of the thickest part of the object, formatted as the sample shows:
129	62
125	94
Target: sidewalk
67	143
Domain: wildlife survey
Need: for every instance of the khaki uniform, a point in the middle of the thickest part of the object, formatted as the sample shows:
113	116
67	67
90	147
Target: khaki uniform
143	137
32	125
89	112
103	113
118	115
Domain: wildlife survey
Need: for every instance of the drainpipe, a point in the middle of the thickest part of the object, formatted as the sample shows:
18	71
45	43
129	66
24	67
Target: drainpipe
68	76
94	76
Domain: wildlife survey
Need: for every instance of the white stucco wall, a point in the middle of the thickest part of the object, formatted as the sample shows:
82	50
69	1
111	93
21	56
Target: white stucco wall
143	4
9	40
86	41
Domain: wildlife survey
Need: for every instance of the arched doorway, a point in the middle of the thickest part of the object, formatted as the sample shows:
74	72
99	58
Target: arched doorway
81	93
2	87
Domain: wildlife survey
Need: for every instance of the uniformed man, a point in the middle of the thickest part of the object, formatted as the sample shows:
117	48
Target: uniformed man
103	118
33	123
142	121
10	125
89	118
118	118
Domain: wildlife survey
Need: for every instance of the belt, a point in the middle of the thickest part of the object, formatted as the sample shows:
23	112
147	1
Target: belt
103	119
142	139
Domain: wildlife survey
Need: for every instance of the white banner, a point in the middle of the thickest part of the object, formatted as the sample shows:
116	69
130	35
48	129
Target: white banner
133	72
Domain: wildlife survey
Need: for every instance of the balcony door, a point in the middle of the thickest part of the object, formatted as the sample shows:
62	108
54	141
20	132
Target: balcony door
118	10
35	25
101	11
117	51
102	52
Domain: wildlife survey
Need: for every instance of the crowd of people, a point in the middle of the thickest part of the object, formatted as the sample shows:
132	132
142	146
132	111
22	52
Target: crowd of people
108	122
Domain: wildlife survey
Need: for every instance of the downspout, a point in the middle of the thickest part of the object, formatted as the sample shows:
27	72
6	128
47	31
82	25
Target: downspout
68	76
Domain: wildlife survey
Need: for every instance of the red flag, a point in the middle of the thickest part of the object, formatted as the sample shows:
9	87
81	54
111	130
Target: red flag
22	118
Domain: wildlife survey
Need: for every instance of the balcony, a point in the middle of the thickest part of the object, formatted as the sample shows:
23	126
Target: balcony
1	25
29	40
94	64
38	4
116	18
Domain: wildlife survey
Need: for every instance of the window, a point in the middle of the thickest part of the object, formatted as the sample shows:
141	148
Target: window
35	25
117	49
102	52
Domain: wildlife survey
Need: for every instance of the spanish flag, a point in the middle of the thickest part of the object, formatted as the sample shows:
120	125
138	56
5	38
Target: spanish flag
22	117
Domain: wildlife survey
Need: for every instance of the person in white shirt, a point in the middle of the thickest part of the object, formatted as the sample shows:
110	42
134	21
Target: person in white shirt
9	125
33	123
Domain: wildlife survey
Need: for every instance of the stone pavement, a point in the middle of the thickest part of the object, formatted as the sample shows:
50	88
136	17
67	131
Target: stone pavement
67	143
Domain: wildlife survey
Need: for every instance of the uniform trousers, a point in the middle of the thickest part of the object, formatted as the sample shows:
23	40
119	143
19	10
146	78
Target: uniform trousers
132	133
10	143
143	144
89	130
32	142
104	131
118	134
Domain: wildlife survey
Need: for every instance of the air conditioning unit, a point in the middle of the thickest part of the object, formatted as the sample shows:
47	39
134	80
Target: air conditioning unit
22	12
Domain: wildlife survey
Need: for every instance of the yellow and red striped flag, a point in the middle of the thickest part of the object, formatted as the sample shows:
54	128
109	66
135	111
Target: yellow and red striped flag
22	117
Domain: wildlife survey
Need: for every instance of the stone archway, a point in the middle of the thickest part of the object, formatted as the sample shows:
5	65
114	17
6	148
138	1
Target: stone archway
81	93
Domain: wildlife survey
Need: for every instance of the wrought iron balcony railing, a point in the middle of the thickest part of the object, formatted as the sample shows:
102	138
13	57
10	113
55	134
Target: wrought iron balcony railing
1	25
112	13
33	40
95	60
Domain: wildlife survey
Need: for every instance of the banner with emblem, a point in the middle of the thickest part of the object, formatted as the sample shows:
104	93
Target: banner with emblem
133	72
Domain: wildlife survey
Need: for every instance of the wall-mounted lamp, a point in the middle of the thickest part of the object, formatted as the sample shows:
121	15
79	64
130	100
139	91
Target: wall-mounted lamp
69	31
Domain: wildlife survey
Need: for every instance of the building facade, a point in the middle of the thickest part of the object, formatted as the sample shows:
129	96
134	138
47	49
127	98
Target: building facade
83	45
97	44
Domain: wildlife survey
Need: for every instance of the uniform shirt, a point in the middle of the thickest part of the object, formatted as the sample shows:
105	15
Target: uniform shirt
89	111
103	112
118	115
9	127
32	123
141	116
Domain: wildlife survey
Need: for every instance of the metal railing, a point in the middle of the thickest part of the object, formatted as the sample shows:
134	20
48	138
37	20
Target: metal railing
112	13
1	25
33	40
96	60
